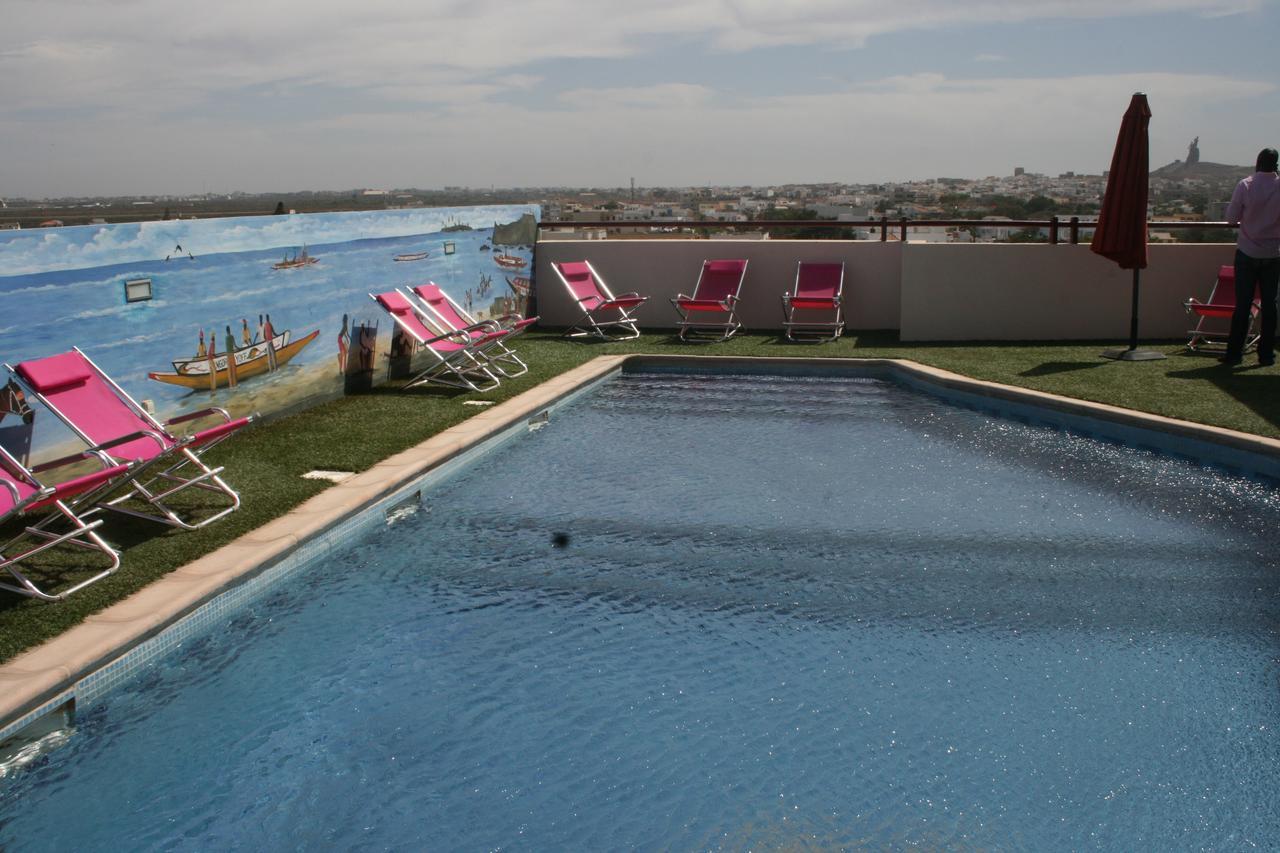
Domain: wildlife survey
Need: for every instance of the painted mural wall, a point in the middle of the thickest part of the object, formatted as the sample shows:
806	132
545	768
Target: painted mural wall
252	313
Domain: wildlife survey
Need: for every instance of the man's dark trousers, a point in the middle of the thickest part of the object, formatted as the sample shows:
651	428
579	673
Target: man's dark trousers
1263	273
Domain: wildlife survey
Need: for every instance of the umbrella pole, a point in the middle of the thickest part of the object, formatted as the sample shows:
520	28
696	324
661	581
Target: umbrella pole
1133	353
1133	320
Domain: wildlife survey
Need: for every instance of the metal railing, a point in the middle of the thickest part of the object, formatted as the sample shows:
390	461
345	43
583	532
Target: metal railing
1054	225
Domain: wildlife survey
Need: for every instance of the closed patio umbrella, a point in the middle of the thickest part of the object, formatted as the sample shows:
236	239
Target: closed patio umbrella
1121	234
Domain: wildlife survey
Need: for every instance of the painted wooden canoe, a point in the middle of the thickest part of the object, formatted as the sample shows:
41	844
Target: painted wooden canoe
251	361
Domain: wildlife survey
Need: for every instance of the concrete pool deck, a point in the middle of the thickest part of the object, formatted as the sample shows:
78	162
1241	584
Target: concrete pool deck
47	677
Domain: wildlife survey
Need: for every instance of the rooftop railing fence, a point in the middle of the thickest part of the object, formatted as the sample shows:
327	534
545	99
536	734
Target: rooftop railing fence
1056	227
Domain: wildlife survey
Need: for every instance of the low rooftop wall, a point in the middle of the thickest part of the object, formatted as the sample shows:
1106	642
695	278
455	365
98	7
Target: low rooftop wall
928	291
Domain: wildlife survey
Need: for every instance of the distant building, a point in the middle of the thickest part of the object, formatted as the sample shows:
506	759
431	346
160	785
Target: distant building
1019	171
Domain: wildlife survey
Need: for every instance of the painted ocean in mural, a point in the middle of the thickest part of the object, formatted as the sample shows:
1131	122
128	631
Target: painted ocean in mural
288	292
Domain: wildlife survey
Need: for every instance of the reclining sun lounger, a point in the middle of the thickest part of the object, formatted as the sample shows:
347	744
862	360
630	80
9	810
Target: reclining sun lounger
456	359
710	313
813	310
602	312
451	317
111	422
21	494
1214	325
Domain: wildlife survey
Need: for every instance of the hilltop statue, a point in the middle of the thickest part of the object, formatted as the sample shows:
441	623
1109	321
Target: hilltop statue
1193	152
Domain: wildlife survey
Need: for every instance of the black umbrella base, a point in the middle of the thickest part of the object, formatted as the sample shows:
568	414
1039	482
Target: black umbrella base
1133	354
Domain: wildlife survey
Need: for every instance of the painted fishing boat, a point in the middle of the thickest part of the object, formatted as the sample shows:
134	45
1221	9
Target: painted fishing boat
251	360
299	259
510	262
411	256
519	285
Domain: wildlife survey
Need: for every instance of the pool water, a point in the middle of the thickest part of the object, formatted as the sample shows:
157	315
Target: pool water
729	612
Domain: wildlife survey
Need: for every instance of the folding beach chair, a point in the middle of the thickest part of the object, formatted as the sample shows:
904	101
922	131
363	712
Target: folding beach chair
601	310
21	495
710	313
112	423
456	356
813	310
1213	327
450	316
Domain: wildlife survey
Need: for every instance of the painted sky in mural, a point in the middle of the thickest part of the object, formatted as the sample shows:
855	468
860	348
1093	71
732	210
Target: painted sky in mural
225	277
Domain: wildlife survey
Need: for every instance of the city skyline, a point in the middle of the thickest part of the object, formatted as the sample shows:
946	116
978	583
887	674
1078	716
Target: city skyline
161	98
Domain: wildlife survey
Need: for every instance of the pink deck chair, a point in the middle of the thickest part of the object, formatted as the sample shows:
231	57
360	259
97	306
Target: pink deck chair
602	312
450	316
1214	324
456	361
813	309
112	423
22	495
710	314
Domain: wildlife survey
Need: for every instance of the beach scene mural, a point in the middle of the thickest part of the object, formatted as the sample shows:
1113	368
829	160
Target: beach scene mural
253	314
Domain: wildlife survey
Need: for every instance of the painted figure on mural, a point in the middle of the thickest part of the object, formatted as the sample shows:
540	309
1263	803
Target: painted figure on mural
245	335
368	340
211	355
231	359
200	345
268	338
342	346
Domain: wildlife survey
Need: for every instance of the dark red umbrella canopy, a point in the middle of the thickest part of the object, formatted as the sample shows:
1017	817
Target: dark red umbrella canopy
1121	234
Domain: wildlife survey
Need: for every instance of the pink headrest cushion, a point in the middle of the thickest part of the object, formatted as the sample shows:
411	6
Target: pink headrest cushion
395	303
55	373
725	266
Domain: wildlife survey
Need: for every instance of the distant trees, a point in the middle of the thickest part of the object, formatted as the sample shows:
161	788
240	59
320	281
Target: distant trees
799	214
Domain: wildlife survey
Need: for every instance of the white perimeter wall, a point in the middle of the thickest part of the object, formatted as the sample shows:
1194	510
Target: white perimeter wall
984	291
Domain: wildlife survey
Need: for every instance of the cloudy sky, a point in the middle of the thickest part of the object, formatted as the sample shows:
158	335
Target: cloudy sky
173	96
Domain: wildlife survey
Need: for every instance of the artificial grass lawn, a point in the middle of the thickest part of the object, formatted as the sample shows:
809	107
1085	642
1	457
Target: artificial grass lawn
265	462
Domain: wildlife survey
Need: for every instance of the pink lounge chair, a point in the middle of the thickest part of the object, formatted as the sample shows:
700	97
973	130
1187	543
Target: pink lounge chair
112	423
450	316
816	299
457	361
710	313
21	494
602	312
1214	326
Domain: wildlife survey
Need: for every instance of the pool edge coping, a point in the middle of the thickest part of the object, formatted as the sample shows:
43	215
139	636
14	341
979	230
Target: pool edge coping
45	677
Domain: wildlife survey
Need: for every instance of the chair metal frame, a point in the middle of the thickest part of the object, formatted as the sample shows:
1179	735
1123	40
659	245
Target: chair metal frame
61	500
599	302
1204	338
451	316
159	472
723	304
813	301
457	361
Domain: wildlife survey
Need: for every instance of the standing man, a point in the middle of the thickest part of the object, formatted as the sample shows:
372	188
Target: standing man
269	338
1255	207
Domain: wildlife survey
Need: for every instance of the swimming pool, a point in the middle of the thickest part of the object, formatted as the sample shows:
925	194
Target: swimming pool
790	612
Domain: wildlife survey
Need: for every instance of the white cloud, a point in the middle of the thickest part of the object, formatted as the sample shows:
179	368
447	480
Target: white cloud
675	96
160	51
173	95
